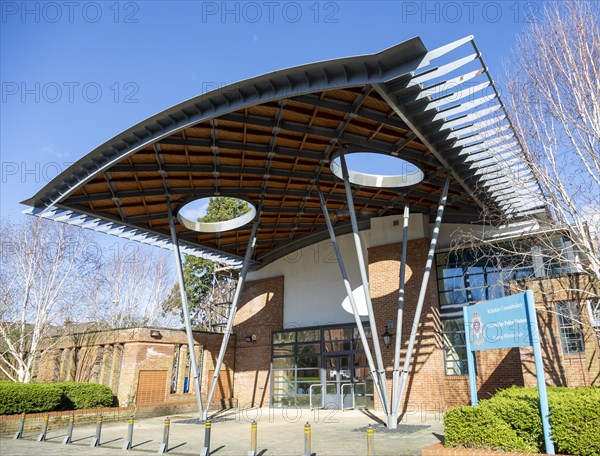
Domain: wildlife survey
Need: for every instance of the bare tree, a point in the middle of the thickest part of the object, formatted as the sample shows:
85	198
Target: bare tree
553	100
129	288
42	270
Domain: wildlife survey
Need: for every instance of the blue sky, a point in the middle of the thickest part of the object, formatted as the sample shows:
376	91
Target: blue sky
75	74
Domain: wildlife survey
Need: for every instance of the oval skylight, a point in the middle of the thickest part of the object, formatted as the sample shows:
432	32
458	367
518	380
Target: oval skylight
359	299
371	169
216	214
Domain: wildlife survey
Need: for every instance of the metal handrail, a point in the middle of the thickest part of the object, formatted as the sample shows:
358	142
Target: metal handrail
352	385
310	395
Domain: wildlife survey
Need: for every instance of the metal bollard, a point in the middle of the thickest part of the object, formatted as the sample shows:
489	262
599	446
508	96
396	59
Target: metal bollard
19	433
68	438
96	439
252	451
307	440
42	435
129	442
164	446
370	441
205	451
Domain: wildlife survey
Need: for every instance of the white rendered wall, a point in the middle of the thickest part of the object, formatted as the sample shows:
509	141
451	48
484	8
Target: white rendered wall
313	288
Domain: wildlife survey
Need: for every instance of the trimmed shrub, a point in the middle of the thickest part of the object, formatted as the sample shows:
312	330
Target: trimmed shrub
522	414
78	396
480	427
17	398
574	418
29	398
576	423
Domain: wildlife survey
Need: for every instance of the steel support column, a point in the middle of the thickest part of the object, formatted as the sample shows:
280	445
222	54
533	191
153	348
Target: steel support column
365	282
393	417
423	290
232	312
184	305
359	325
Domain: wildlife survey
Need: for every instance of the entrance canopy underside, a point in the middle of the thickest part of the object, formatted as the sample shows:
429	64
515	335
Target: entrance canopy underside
269	140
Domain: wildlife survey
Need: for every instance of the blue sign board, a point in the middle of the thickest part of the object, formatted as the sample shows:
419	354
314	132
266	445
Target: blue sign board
506	323
501	323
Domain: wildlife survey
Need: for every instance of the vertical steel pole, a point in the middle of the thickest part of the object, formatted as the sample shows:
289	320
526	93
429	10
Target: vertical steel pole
423	290
534	336
307	440
42	436
393	421
69	437
365	283
19	433
234	304
184	304
359	325
370	441
128	444
253	440
164	446
205	451
96	440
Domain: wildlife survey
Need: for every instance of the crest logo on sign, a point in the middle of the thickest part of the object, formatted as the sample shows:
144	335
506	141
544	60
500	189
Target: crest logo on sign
477	329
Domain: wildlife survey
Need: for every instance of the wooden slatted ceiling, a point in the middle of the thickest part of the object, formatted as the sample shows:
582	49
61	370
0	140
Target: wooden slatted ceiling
243	140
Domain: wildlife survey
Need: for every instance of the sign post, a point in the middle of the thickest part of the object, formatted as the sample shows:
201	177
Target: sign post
507	323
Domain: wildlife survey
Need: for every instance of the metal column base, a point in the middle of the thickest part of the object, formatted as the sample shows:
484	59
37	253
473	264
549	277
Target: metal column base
392	421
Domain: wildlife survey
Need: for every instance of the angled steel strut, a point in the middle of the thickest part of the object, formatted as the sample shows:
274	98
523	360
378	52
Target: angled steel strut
359	325
393	417
185	306
365	282
423	290
232	312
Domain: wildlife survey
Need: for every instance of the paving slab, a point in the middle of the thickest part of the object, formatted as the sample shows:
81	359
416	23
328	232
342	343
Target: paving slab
280	433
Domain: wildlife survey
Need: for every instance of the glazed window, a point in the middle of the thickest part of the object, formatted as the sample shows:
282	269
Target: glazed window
569	325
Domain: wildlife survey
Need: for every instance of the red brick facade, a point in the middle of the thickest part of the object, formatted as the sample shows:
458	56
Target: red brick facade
260	313
116	358
428	388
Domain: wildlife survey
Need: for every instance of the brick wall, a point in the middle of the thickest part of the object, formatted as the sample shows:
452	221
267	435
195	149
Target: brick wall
428	388
562	369
259	314
122	354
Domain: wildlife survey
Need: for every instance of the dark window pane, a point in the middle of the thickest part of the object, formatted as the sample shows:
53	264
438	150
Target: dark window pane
283	350
284	337
283	363
307	375
306	349
309	361
338	334
571	334
309	335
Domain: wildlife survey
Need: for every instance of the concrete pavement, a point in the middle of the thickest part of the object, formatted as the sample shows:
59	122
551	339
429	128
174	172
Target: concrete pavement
280	433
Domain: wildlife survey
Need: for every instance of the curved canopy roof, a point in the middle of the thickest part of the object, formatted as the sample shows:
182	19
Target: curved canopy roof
270	139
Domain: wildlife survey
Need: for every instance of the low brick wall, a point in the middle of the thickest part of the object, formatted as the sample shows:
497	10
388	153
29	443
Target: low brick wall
33	421
439	450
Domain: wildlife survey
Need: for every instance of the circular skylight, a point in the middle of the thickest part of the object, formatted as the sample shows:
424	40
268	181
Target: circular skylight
372	169
206	214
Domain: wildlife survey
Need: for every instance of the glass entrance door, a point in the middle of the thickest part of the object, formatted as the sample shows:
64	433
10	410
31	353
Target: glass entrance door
338	382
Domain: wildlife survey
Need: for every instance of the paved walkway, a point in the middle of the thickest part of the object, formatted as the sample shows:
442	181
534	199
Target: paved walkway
280	433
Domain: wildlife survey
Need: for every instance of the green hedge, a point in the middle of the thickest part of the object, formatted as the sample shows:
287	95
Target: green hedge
29	398
480	427
46	397
77	396
574	417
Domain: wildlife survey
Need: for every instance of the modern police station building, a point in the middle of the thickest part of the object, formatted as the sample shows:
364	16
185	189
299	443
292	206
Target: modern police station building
349	295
